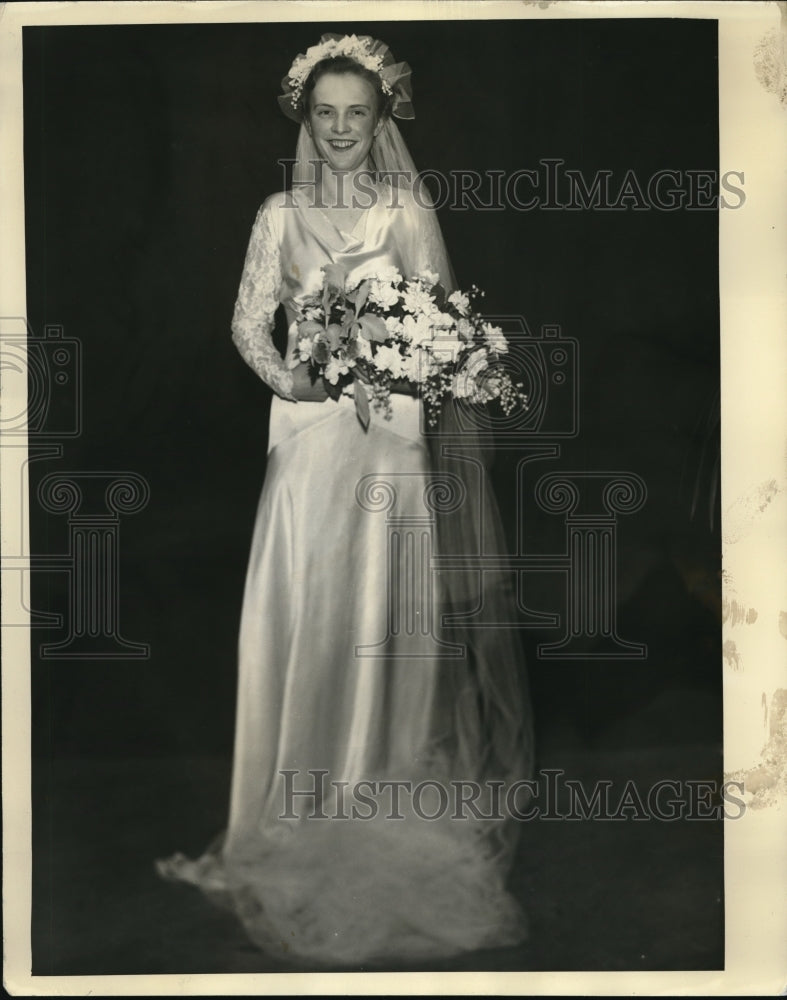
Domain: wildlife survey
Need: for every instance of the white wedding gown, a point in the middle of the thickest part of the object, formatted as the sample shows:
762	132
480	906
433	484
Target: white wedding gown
344	667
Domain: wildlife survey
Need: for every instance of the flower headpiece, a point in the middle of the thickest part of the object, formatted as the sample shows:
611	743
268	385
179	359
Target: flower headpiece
367	52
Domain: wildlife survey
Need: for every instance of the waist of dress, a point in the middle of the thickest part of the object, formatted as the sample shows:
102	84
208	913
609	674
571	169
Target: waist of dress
288	419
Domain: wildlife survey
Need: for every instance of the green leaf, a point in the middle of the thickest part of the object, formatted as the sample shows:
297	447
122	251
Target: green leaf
361	404
309	328
361	295
333	390
352	350
335	277
373	328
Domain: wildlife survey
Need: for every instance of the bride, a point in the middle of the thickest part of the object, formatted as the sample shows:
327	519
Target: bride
373	728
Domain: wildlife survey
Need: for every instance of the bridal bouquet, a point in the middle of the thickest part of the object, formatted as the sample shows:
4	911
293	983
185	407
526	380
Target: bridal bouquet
382	333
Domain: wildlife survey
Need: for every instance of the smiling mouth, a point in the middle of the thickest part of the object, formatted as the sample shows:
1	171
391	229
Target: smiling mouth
341	143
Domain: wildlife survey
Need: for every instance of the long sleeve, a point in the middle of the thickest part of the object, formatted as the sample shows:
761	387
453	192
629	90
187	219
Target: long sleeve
256	304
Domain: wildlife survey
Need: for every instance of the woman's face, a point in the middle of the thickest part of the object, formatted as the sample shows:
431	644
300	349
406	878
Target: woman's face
343	119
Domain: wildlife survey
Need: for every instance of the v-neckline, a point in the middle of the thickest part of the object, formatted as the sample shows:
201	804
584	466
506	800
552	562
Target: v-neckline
349	233
319	221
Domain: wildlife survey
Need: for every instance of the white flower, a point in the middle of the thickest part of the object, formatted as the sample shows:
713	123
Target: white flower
349	45
382	284
460	301
390	274
388	359
393	325
334	368
495	339
428	277
383	293
418	300
418	365
463	386
442	321
465	329
305	348
446	347
417	329
477	361
363	347
466	385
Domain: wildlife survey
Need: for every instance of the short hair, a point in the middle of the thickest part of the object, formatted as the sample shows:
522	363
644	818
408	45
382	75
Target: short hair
341	65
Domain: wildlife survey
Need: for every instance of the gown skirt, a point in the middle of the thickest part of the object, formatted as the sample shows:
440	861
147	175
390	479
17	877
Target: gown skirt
359	716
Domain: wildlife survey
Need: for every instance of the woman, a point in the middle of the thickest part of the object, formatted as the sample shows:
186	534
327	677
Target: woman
353	690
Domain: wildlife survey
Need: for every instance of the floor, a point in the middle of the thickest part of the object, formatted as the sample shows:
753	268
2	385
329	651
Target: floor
600	895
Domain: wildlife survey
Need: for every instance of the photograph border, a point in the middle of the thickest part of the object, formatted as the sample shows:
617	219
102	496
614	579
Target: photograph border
753	300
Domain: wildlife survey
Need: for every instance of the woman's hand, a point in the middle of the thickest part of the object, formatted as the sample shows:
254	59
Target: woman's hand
302	387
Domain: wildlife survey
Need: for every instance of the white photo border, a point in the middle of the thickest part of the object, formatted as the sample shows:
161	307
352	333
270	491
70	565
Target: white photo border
753	265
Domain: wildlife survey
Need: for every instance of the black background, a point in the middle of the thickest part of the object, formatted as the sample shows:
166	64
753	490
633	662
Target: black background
147	152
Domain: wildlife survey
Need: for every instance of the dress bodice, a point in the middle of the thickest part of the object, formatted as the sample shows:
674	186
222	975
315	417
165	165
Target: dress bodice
391	232
308	239
293	239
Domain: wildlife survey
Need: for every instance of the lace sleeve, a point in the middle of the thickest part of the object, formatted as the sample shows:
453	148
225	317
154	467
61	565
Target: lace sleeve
256	304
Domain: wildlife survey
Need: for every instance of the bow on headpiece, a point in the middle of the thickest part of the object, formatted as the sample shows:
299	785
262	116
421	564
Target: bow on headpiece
367	52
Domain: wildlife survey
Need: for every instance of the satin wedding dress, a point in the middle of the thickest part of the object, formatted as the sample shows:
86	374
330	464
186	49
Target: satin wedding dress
348	681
